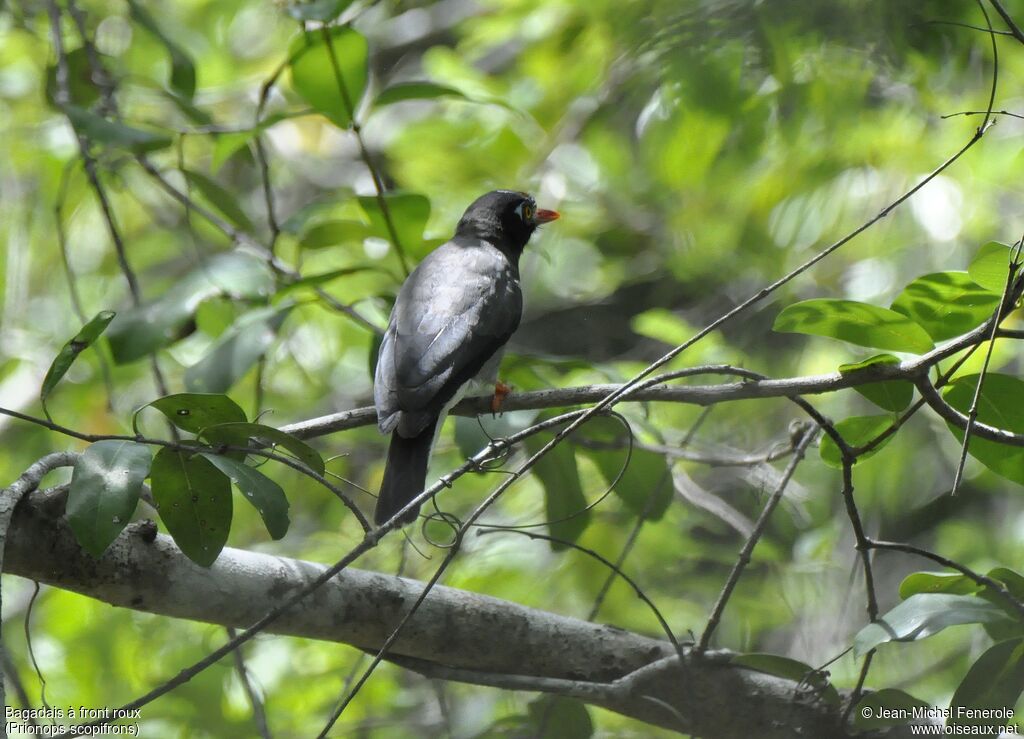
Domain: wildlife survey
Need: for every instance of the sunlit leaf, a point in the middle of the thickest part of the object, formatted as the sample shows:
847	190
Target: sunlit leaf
923	615
857	323
946	304
408	213
856	431
195	411
70	351
1001	404
936	582
332	233
236	351
105	486
415	91
194	500
891	395
263	493
314	77
990	267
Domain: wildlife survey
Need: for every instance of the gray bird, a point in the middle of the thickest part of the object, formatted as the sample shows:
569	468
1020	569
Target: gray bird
449	325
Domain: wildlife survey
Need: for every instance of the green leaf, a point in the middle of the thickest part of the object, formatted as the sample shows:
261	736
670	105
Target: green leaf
258	436
856	431
1001	404
193	412
990	267
995	681
409	213
857	323
216	315
1013	581
317	10
946	304
194	499
105	486
137	332
555	717
236	351
884	708
332	233
221	199
70	351
99	130
183	71
265	495
313	74
81	89
923	615
415	91
936	582
324	277
563	493
790	669
891	395
647	473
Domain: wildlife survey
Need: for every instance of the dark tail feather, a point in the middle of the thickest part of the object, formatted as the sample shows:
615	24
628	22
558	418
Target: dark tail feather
405	475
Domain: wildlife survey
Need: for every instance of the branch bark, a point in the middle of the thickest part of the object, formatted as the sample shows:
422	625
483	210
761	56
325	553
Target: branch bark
475	638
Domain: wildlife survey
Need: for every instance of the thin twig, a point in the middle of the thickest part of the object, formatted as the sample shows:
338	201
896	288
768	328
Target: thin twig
259	714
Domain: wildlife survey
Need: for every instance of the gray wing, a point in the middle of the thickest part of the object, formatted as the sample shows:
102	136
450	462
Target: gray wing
452	314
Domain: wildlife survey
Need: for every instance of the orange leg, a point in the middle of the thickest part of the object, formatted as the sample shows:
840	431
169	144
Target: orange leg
501	391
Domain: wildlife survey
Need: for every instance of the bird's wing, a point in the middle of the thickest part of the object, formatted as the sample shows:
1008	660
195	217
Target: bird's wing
452	314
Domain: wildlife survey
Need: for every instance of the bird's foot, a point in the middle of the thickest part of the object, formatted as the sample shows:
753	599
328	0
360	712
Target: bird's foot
501	391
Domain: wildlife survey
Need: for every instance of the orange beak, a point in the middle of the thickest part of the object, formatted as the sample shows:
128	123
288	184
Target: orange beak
545	216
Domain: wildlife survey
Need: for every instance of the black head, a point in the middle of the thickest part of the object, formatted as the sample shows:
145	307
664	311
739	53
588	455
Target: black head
506	218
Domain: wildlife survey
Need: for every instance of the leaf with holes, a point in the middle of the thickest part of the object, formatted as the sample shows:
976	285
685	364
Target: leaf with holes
857	323
990	267
892	395
194	499
195	411
69	353
923	615
236	351
563	494
105	486
946	304
1001	404
258	436
315	66
266	496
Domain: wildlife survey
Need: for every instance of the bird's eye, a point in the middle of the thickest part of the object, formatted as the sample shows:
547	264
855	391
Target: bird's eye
526	212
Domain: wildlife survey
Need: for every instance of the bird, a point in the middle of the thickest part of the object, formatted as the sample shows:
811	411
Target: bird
449	325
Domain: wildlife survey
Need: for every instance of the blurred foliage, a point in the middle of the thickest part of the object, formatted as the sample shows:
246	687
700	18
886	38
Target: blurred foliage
697	149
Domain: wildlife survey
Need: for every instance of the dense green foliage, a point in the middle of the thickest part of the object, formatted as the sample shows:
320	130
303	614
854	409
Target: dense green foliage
697	150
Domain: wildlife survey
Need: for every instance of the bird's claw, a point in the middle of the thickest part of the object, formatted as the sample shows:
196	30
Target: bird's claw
501	391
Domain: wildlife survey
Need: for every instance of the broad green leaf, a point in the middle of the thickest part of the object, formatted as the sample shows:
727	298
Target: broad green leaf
183	71
856	431
1013	581
790	669
70	351
105	486
1002	405
995	681
936	582
314	77
884	708
563	494
227	143
645	475
946	304
317	10
99	130
136	332
258	436
923	615
857	323
415	91
316	280
221	199
195	411
555	717
891	395
990	267
662	325
236	351
332	233
216	315
409	213
81	89
263	493
194	499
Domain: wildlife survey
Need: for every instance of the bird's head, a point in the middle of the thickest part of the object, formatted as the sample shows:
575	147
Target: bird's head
506	218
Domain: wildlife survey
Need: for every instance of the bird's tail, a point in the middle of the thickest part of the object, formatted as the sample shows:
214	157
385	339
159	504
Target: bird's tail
405	475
